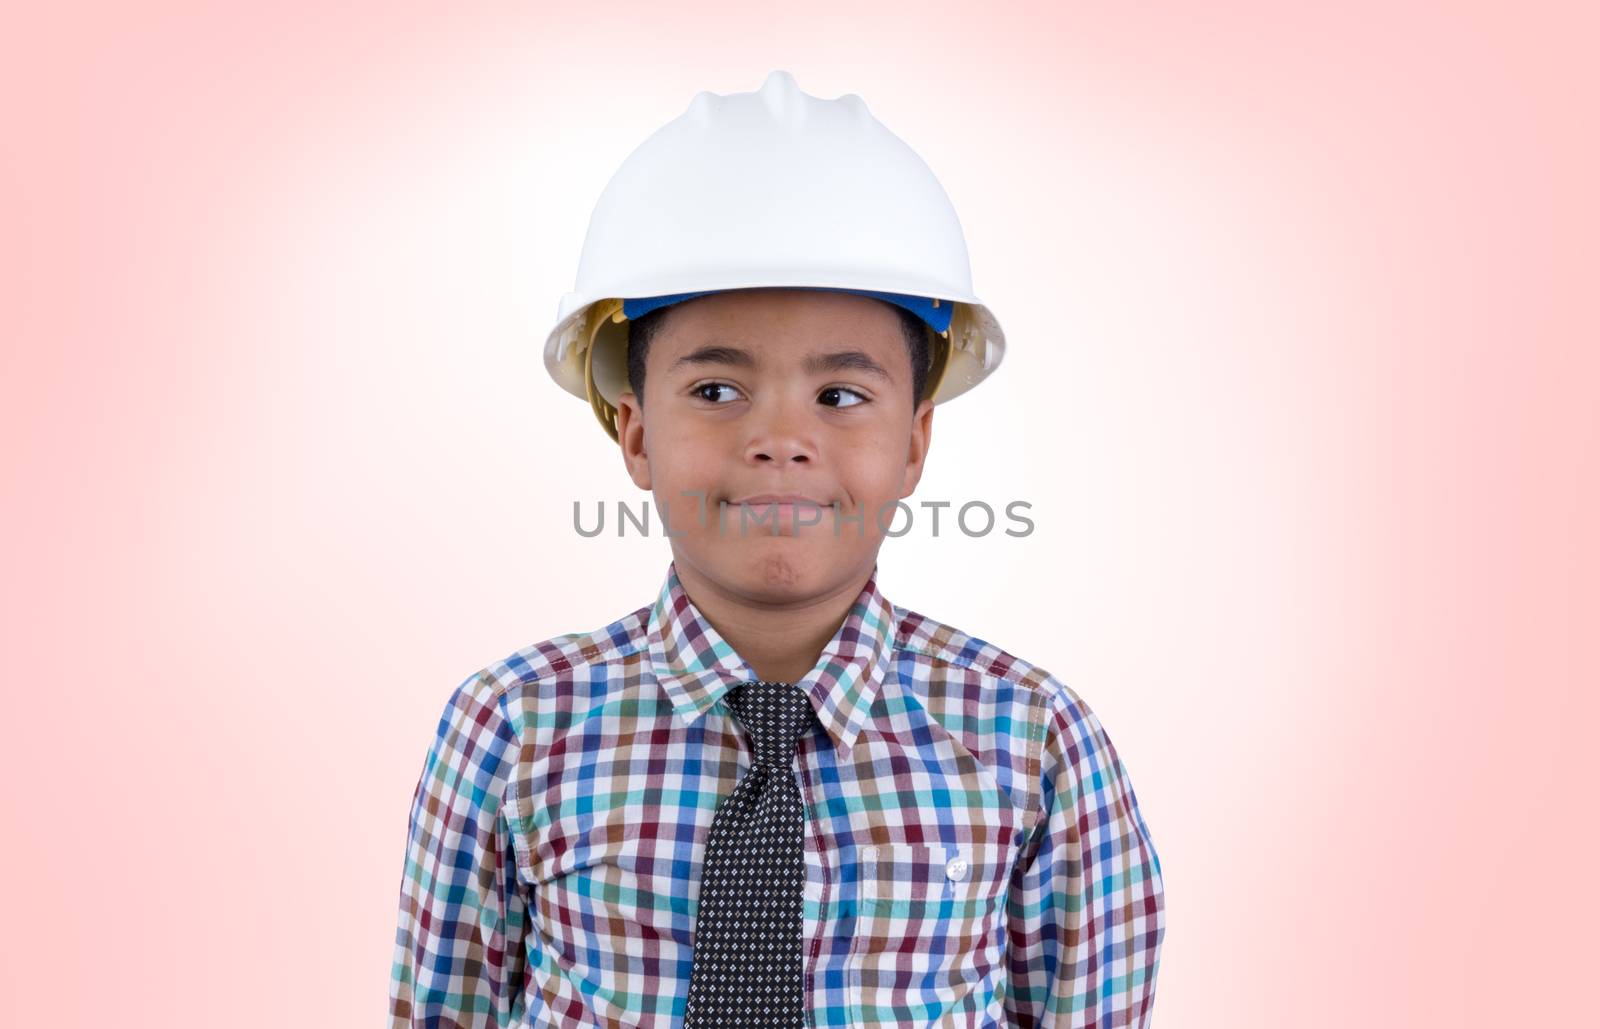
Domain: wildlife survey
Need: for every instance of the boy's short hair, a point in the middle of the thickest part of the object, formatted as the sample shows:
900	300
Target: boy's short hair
643	328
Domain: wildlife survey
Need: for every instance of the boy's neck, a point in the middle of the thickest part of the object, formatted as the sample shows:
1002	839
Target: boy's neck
780	642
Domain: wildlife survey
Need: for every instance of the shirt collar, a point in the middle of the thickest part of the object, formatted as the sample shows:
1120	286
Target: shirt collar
696	666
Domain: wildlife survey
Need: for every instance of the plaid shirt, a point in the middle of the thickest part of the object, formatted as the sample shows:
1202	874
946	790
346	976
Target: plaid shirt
974	852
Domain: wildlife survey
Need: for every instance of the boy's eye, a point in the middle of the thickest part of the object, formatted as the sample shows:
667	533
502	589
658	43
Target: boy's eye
701	391
836	391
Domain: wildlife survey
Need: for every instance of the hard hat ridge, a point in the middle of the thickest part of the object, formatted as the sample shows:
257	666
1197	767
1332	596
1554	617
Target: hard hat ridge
782	96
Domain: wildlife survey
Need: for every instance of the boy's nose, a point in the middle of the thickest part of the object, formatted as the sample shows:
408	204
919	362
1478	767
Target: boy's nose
782	434
781	448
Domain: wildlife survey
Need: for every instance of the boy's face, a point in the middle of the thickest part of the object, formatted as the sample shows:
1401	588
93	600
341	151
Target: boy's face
773	391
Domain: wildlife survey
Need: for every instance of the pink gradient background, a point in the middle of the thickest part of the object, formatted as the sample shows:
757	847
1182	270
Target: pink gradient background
1302	386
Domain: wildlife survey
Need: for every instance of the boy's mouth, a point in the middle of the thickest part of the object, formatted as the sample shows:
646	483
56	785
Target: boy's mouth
788	512
764	499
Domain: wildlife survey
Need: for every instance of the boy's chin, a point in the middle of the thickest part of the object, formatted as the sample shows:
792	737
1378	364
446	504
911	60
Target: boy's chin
778	569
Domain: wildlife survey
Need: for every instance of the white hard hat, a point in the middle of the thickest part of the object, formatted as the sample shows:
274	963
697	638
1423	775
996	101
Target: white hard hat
771	188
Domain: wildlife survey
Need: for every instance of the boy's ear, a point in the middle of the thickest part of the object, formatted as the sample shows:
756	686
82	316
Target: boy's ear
917	453
630	436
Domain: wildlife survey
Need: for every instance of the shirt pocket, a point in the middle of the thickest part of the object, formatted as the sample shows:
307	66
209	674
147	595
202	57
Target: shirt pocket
929	934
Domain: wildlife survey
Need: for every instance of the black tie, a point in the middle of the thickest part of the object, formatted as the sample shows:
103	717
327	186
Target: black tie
747	967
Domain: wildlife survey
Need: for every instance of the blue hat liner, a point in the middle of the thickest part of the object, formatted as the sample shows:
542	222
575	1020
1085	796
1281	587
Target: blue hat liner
938	317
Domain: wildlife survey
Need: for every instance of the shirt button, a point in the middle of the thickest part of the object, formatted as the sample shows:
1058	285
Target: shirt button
956	870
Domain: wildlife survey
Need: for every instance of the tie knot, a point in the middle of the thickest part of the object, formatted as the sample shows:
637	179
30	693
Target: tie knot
776	715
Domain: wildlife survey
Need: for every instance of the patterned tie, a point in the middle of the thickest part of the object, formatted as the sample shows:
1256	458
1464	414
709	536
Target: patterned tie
747	966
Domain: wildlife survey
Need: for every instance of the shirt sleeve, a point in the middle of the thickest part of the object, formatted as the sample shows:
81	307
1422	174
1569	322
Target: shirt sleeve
459	958
1085	914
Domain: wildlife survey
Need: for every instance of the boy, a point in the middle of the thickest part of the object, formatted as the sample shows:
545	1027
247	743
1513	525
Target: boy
772	797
